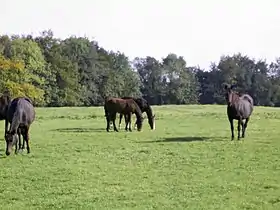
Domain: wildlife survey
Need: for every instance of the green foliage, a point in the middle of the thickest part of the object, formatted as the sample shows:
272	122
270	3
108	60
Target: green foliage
179	165
76	71
30	53
15	78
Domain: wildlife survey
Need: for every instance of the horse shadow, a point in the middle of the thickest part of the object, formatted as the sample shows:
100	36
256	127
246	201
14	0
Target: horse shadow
78	130
185	139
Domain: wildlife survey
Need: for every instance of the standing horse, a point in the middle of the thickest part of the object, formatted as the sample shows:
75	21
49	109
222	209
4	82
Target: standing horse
145	107
20	115
238	108
126	107
5	100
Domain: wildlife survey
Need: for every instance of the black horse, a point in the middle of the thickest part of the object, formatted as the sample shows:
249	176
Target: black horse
238	108
5	100
145	107
20	115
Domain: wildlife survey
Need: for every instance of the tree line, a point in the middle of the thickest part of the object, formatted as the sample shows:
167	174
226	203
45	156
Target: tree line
76	71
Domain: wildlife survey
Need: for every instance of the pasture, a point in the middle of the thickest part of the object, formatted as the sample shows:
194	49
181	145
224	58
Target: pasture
188	162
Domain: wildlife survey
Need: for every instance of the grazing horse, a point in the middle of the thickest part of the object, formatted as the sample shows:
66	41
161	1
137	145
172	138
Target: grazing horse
21	115
5	100
238	108
145	107
126	107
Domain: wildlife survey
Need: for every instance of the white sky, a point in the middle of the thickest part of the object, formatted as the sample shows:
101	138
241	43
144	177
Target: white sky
199	30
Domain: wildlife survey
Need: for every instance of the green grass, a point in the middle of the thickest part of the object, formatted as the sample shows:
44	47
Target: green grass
188	162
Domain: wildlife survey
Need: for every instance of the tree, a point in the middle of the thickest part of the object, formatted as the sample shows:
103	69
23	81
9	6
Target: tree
14	77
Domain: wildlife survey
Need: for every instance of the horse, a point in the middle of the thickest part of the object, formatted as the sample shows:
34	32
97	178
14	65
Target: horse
5	100
239	107
145	107
126	107
21	115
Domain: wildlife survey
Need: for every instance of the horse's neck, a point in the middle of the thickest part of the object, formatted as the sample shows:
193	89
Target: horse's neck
148	111
234	98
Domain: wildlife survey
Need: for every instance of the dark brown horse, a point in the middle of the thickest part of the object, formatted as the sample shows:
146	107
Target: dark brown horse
5	100
145	107
238	108
126	107
20	115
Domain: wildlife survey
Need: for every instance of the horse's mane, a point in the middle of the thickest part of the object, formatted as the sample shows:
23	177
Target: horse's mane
141	102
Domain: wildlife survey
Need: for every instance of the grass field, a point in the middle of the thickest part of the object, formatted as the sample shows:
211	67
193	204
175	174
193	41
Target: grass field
188	162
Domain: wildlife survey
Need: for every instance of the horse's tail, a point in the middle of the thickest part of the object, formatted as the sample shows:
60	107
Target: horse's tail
15	121
248	98
106	109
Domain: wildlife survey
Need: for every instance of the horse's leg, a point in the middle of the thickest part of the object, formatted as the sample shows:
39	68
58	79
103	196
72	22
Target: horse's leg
114	121
129	121
242	128
16	143
135	125
23	144
19	138
238	128
232	129
126	122
6	127
120	121
108	122
25	135
245	126
23	141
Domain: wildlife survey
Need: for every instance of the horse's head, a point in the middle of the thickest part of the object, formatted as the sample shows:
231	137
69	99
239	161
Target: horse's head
139	123
152	122
230	95
11	139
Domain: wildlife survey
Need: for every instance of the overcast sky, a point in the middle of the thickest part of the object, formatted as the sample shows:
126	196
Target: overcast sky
199	30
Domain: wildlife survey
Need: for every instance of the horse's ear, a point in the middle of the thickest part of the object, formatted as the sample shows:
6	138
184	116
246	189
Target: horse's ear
233	86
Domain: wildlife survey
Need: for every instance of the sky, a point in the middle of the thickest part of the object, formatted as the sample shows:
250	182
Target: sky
199	30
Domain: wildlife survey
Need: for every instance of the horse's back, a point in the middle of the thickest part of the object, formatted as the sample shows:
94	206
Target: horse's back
120	105
114	104
115	101
22	109
128	97
244	107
